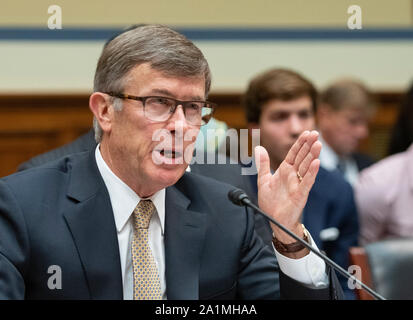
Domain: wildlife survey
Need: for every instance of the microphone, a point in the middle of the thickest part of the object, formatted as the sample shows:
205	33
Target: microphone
237	196
240	198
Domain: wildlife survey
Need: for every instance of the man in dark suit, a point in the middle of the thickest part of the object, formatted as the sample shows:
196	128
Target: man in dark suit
345	109
125	221
281	103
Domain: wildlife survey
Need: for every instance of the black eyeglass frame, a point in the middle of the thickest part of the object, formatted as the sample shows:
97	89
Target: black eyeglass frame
208	104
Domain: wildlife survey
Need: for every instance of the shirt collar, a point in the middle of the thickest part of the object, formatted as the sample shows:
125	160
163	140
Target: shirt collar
328	158
123	199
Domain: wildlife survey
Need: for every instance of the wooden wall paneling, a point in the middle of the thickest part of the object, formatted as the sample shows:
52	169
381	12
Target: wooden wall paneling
30	125
229	109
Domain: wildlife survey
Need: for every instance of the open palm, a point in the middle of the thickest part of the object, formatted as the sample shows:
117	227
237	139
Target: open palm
284	194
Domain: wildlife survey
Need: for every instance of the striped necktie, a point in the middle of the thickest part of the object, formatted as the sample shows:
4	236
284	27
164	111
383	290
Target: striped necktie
146	282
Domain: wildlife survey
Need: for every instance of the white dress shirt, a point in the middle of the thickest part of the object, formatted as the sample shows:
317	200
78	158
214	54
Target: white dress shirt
309	270
124	200
329	160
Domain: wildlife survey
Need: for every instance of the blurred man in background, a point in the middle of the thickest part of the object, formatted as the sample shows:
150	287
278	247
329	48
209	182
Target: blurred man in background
345	109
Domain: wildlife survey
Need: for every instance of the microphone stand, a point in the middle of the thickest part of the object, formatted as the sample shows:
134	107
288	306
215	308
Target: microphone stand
239	197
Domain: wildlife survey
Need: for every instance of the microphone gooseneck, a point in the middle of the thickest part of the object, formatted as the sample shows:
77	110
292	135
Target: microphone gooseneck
240	198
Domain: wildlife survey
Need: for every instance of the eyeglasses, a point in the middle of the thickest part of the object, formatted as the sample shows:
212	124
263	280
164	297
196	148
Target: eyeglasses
160	109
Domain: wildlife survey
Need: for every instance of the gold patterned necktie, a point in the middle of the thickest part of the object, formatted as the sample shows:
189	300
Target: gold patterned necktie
146	282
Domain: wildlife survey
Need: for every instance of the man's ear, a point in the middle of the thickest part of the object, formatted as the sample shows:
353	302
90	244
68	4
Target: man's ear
99	104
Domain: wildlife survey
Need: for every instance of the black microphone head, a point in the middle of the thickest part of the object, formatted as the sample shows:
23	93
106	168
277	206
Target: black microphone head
237	196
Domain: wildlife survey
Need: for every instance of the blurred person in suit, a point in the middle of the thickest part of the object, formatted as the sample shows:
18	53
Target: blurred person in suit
345	108
384	191
282	104
100	214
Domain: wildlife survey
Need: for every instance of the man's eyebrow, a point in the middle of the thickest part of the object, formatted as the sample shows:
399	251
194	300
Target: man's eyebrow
162	92
280	111
291	111
167	93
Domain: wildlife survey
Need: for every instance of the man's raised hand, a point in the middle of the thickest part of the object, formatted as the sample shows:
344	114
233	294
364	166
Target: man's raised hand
284	194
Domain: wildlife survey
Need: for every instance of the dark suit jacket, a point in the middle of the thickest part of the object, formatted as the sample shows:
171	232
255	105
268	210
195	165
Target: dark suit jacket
362	160
229	173
60	214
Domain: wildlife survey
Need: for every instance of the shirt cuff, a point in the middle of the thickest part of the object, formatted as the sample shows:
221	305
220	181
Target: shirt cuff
309	270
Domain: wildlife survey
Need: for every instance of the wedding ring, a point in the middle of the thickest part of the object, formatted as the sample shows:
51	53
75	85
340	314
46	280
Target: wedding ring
299	176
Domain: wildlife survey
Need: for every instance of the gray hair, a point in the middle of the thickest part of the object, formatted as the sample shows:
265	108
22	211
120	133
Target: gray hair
165	49
348	93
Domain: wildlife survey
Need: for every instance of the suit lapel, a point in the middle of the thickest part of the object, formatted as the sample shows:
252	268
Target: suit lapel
90	219
184	236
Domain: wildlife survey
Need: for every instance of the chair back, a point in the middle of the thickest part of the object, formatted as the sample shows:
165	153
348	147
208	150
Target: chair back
387	267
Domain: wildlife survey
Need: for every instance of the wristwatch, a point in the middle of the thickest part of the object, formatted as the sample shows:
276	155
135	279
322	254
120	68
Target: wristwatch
291	247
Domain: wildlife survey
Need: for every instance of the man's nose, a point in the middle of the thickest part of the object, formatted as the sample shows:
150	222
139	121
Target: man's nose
177	119
296	126
362	131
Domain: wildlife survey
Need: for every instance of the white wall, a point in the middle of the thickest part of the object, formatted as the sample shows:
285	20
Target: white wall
63	66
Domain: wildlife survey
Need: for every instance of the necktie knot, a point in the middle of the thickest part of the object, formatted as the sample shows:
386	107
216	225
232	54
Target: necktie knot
143	214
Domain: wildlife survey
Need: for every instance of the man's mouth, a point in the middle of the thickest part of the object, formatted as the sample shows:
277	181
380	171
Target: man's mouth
172	154
163	156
